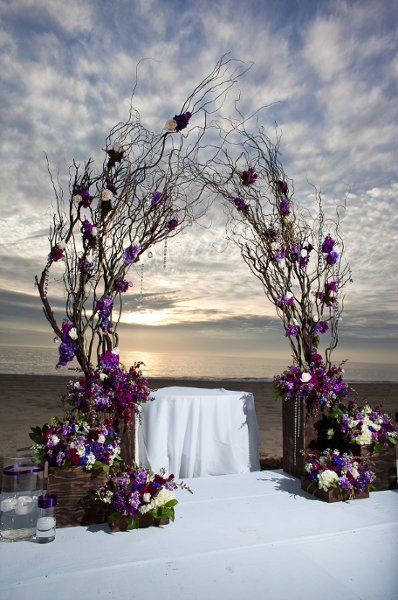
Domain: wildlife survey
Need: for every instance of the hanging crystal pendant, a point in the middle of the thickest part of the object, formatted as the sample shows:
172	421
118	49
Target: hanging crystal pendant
165	255
141	285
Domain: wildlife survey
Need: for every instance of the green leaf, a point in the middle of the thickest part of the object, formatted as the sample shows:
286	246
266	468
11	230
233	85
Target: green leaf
171	503
330	433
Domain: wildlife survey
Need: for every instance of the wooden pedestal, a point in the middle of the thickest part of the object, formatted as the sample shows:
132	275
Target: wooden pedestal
308	427
383	463
332	495
75	488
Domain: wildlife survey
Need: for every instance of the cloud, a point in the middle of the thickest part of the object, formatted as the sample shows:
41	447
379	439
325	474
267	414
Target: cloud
67	74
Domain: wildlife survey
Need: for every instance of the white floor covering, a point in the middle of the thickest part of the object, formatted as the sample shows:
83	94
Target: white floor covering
250	536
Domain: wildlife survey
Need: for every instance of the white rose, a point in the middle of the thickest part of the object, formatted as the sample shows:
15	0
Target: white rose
94	231
55	439
305	377
73	333
289	295
103	376
326	479
303	253
106	195
315	318
171	125
77	198
146	497
163	497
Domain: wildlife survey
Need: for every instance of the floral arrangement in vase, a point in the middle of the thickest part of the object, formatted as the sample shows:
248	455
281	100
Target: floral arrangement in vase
75	441
133	493
331	469
362	426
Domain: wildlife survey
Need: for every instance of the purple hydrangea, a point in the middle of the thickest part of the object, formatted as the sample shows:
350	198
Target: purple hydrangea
104	306
332	257
321	327
157	198
291	330
328	244
131	253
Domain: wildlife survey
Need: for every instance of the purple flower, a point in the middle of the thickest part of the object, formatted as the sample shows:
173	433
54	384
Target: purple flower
280	255
82	192
328	244
66	352
122	285
248	177
85	266
291	330
87	229
332	286
332	257
282	187
284	207
241	204
131	253
108	360
157	198
286	300
182	120
104	306
172	224
321	327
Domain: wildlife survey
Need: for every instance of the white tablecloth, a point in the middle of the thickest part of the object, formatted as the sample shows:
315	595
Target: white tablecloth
255	535
194	432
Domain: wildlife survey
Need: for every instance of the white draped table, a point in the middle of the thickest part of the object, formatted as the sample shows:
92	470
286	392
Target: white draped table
194	432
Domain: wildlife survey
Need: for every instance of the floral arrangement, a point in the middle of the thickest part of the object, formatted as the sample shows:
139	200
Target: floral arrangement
362	425
331	469
110	388
318	384
74	441
138	491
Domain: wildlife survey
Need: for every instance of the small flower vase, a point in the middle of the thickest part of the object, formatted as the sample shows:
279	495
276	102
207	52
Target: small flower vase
383	463
301	432
122	523
74	488
331	495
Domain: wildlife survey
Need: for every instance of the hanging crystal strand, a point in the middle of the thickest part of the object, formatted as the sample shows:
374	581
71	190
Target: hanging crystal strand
320	235
165	255
295	433
141	283
46	279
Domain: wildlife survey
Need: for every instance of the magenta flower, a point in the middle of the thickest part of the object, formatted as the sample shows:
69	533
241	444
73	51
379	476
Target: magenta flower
108	360
172	224
248	177
131	253
282	187
56	254
182	120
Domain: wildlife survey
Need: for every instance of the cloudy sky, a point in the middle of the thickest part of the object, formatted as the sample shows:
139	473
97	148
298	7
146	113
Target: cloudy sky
329	70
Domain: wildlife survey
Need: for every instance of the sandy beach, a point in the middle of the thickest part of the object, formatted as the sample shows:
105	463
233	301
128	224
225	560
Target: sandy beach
29	400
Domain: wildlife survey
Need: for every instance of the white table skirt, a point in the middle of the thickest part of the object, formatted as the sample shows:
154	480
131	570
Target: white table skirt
194	432
256	535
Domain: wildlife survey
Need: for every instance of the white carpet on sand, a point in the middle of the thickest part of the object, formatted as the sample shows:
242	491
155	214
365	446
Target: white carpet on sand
250	536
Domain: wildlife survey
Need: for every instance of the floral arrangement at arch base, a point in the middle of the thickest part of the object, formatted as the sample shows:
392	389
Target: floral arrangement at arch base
334	476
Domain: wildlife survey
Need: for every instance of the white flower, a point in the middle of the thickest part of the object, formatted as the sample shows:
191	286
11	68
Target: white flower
77	198
315	318
80	449
161	499
101	438
308	467
94	231
326	479
171	125
289	295
115	350
305	377
117	148
146	498
73	333
354	472
106	195
303	253
54	440
90	459
103	376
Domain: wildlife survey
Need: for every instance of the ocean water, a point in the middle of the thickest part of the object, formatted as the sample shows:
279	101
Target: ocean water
41	361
